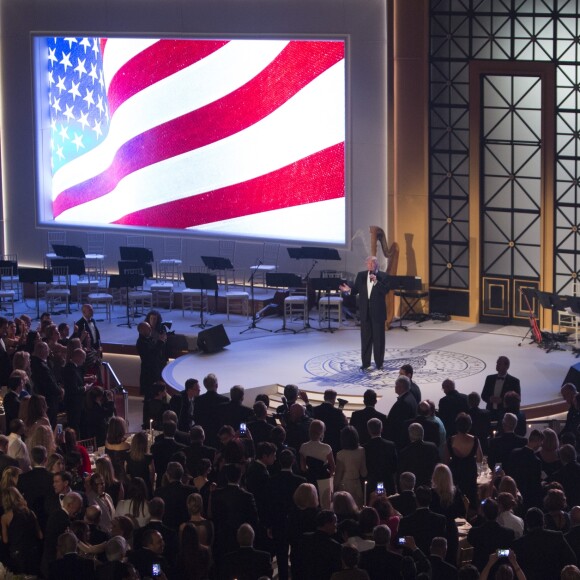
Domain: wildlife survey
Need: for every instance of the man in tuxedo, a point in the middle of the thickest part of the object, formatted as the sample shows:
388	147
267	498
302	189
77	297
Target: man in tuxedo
440	569
150	552
501	446
45	383
526	468
419	457
371	286
333	418
569	474
157	513
573	536
234	411
196	451
541	553
208	410
35	485
246	563
359	419
175	495
260	428
280	492
163	449
74	388
405	407
569	392
430	428
380	562
407	371
87	325
231	507
183	404
70	564
11	400
405	501
490	536
423	524
480	421
497	385
381	458
451	405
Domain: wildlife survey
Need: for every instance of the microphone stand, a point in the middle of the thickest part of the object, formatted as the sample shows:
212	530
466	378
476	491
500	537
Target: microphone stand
307	280
253	323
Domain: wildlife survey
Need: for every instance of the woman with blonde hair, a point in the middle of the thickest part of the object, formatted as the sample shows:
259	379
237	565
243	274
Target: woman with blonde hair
302	517
506	517
139	463
9	478
113	486
344	506
55	463
204	527
20	530
317	462
41	435
37	414
549	452
508	485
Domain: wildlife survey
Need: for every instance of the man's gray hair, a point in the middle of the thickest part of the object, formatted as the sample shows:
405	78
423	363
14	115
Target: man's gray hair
407	481
509	422
374	426
403	381
416	432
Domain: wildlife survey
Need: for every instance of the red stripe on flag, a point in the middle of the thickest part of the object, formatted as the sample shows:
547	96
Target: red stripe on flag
155	63
318	177
294	68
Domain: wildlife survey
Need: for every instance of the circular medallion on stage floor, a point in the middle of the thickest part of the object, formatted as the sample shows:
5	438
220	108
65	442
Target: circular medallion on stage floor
341	369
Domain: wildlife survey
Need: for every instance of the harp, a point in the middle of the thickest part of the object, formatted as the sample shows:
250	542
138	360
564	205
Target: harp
392	254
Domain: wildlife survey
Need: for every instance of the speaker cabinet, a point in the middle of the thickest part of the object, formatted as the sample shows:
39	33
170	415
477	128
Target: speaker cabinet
213	339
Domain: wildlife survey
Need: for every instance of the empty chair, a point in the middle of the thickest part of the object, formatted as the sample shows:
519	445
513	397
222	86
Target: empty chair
54	238
327	304
169	267
296	306
238	302
58	292
100	297
269	263
8	292
162	294
139	299
95	254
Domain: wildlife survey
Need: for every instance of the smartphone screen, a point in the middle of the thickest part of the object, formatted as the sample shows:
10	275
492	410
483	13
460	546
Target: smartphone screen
380	487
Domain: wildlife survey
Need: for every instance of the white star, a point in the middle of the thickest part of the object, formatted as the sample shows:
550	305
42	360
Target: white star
70	41
78	141
56	104
53	124
95	46
59	152
93	74
88	98
69	112
66	60
100	105
86	43
97	129
60	85
83	120
102	79
80	68
50	79
52	55
64	133
74	90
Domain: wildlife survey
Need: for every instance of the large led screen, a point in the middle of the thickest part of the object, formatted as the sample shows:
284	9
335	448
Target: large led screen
236	137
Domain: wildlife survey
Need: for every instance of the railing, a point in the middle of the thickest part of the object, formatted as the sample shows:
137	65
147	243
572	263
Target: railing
112	382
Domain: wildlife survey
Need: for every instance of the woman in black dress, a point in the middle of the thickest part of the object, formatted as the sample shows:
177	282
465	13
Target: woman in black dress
139	463
21	532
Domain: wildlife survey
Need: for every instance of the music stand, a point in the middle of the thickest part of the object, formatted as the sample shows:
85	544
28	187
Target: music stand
327	285
254	317
409	289
76	266
119	281
67	251
200	281
34	276
279	279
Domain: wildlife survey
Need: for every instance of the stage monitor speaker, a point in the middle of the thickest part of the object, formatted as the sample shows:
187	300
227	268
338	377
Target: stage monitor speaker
213	339
573	376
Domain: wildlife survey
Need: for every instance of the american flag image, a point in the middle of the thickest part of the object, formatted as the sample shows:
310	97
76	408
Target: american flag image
238	136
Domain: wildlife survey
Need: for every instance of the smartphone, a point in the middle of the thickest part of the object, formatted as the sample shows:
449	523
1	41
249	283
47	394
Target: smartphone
155	570
402	541
503	553
380	488
59	428
498	467
243	428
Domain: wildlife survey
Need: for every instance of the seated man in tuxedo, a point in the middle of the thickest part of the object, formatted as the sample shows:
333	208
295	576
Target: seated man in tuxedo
497	385
501	446
246	563
380	562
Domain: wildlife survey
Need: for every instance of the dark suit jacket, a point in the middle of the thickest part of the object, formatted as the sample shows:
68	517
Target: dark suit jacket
501	447
45	384
450	406
234	413
381	458
83	325
162	450
442	570
486	539
194	454
334	420
260	431
405	407
57	523
11	407
169	538
231	507
373	307
510	383
404	502
257	478
542	554
359	420
381	564
569	476
573	538
420	458
208	414
481	426
35	485
423	525
180	403
72	567
525	467
175	496
318	556
7	461
152	355
246	564
143	560
74	392
280	492
430	430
